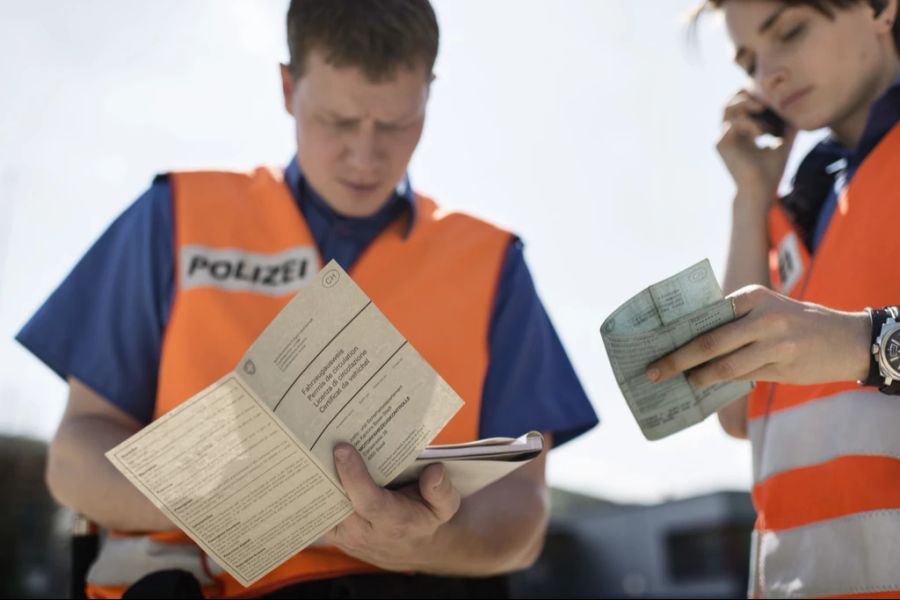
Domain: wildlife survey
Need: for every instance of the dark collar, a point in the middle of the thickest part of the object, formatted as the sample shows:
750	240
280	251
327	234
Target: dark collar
883	117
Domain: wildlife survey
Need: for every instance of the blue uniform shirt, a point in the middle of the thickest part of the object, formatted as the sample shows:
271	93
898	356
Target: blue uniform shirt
105	322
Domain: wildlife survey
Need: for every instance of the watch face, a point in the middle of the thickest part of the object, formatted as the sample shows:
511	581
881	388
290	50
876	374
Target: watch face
891	350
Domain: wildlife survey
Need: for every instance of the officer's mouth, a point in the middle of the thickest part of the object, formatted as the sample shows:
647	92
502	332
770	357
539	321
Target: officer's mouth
359	188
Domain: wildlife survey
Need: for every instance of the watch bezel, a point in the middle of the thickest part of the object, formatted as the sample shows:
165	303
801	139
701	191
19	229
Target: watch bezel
887	370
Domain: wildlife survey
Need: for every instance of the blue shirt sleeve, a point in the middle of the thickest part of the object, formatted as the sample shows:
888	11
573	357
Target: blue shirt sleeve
103	325
530	383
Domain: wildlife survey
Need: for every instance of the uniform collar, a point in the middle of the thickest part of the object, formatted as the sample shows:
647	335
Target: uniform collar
883	117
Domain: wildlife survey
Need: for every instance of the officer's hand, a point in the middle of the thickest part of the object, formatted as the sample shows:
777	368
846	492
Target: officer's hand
756	171
775	339
391	529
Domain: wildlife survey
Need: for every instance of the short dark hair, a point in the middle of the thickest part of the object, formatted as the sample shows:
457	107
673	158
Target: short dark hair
823	6
376	36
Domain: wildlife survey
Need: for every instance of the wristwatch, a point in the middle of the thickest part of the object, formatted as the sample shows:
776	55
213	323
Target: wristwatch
884	367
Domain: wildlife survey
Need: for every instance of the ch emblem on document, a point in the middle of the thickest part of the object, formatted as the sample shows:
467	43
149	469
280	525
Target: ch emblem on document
330	278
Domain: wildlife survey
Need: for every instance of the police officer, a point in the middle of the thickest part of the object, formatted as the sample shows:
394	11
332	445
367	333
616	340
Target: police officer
826	456
183	281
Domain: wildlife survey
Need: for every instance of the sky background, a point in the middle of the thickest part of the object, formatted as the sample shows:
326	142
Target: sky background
586	126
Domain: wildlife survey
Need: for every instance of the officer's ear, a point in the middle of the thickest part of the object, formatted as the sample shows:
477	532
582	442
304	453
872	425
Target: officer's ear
287	87
885	14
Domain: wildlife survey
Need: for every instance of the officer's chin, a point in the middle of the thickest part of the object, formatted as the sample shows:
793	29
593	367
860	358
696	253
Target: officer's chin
359	203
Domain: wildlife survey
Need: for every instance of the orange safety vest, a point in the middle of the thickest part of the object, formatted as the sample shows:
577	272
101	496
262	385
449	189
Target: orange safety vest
437	286
826	457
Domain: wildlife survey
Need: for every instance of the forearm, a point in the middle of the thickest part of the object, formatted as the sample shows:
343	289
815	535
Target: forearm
498	530
80	477
748	252
748	263
733	418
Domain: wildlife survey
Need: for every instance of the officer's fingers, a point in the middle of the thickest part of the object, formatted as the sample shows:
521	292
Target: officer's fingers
750	298
742	105
703	348
438	492
746	127
741	96
369	500
742	132
739	365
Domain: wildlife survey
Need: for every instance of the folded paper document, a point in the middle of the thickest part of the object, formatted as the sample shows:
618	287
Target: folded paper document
474	465
650	325
245	466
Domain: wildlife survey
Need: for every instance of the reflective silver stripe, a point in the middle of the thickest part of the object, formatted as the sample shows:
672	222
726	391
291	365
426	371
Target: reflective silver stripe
753	580
238	270
856	554
855	422
124	560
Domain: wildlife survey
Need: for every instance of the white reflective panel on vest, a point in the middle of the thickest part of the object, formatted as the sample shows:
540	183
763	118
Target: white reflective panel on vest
235	269
816	560
124	560
821	430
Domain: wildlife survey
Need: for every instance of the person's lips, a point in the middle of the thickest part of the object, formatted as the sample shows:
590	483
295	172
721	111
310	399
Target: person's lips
793	98
361	187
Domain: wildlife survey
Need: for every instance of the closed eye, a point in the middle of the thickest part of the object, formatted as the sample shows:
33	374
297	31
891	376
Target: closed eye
793	33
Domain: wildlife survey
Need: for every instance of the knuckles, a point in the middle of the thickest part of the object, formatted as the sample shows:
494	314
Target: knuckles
708	343
724	370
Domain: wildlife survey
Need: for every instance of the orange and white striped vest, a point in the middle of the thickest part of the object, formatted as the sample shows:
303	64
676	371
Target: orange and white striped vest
242	250
826	458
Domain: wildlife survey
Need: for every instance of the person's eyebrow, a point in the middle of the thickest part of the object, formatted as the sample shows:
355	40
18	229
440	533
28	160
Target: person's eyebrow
770	20
331	114
764	27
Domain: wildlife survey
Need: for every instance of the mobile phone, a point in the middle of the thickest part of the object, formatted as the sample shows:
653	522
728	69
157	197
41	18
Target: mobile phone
770	122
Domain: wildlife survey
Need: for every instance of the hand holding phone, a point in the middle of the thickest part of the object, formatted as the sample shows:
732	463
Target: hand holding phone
770	122
755	163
